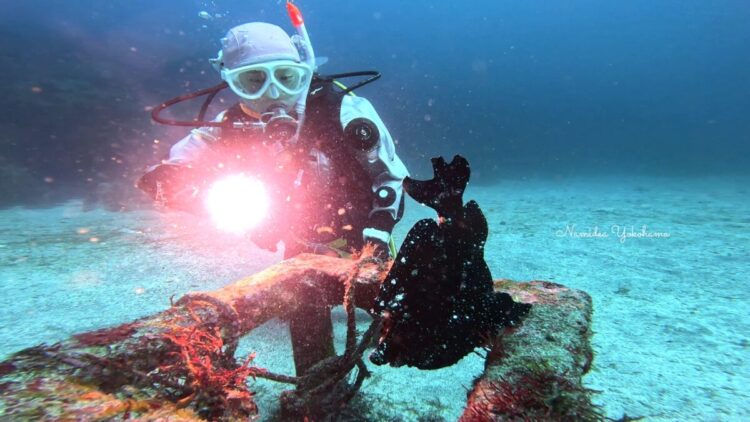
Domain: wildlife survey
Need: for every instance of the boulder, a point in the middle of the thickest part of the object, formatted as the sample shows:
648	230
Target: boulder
534	371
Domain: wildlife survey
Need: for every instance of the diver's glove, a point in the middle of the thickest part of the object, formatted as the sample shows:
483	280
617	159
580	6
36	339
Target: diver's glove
267	237
173	186
268	243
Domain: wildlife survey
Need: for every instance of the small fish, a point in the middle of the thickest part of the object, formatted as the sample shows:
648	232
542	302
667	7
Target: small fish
204	15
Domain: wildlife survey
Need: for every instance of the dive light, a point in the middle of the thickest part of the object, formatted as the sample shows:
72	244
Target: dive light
237	203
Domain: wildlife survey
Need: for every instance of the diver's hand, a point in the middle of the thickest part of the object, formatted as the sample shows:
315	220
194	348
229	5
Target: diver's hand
174	187
265	239
187	198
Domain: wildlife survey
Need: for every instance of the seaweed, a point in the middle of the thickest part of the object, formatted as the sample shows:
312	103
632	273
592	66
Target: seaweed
214	382
538	395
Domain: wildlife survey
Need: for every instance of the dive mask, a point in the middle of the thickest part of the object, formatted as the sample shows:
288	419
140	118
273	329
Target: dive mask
252	81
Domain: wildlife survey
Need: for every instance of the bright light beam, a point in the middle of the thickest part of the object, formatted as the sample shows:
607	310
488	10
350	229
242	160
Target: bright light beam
237	203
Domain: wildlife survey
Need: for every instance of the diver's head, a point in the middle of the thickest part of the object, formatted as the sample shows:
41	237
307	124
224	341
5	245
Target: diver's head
262	65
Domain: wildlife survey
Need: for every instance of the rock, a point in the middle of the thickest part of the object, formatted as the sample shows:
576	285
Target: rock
534	372
180	363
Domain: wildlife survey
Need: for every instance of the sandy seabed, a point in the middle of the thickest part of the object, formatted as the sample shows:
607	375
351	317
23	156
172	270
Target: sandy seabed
666	261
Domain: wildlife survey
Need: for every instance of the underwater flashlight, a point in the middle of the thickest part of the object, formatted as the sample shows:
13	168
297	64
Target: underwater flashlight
237	203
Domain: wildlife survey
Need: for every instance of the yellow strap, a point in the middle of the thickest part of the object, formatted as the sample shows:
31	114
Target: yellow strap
344	87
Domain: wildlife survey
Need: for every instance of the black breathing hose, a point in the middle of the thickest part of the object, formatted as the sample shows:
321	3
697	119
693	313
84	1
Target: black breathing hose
211	92
373	76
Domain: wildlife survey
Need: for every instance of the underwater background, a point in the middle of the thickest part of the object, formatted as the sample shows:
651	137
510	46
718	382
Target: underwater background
574	115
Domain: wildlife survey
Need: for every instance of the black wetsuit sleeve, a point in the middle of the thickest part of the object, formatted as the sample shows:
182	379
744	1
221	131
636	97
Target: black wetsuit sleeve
175	183
172	186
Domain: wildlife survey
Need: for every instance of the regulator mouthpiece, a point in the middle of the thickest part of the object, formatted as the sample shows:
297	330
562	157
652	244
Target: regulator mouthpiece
279	126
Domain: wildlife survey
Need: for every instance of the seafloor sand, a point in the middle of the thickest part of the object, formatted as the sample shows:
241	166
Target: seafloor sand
671	314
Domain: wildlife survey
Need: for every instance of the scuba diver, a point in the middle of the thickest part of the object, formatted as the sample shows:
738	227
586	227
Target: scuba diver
325	156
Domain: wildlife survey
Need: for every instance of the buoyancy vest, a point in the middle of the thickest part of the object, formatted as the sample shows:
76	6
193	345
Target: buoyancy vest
332	199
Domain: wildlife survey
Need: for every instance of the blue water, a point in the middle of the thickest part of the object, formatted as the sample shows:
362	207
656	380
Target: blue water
571	112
